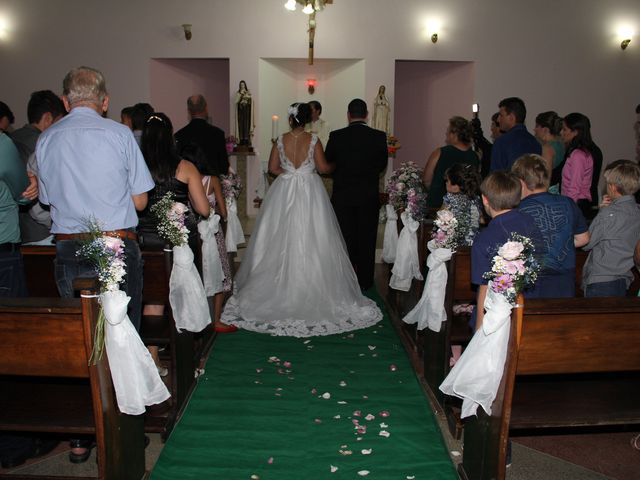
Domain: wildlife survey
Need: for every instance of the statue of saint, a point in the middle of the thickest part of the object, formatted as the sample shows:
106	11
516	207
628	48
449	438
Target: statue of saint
244	115
381	112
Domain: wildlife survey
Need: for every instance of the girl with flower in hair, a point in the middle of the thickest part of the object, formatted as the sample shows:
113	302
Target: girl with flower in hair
462	182
296	278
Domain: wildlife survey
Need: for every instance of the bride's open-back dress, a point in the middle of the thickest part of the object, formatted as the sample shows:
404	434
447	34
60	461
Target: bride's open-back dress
295	278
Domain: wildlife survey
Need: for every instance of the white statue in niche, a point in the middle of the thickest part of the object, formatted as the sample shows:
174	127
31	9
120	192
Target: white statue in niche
381	112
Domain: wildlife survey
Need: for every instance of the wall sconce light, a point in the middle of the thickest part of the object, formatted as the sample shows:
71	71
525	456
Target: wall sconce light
187	31
311	85
433	27
625	43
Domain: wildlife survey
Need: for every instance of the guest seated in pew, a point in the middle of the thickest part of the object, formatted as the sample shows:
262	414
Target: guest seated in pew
91	169
501	193
614	234
561	223
463	200
170	174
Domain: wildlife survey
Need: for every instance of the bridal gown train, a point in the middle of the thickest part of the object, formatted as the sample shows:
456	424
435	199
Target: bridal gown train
295	278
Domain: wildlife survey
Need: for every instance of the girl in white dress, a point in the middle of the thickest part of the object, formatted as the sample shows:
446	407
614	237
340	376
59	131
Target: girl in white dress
295	278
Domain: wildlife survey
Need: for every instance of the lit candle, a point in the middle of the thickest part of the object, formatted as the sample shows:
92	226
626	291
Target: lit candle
274	126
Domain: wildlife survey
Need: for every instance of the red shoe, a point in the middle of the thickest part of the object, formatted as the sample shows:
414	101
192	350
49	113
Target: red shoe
225	328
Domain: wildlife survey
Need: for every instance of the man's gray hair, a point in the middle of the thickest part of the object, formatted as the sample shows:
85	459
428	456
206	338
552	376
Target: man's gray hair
196	104
84	84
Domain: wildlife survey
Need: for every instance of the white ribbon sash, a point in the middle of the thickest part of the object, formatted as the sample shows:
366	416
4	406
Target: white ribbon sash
476	376
186	292
212	272
390	244
134	374
406	266
234	234
430	312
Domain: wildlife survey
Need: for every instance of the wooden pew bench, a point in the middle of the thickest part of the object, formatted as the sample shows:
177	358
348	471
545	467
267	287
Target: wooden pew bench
47	385
573	363
181	348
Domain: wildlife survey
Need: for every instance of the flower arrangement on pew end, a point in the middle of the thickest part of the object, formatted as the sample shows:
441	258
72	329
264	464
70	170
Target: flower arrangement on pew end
106	255
171	220
445	227
406	191
514	268
231	185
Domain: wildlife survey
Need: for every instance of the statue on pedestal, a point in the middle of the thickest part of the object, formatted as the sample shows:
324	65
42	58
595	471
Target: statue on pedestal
244	118
381	112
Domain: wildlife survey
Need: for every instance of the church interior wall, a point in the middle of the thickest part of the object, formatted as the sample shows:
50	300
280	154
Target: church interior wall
555	55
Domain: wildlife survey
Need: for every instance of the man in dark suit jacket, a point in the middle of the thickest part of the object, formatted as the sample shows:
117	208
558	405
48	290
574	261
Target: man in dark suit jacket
359	154
201	133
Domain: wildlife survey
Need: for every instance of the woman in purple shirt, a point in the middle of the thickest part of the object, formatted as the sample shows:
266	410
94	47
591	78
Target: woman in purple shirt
577	168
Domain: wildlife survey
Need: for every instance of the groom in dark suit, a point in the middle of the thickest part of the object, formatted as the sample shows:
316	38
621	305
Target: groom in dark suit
359	154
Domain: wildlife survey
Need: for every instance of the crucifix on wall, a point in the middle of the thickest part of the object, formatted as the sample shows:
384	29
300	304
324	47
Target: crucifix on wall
310	8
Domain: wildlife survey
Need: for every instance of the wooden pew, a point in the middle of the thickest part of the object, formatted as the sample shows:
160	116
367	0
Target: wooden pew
437	345
181	349
47	385
161	331
572	363
437	348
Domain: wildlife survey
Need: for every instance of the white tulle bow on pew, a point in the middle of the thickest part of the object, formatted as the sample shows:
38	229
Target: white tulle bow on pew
234	233
430	312
476	376
212	272
406	266
186	292
133	371
390	244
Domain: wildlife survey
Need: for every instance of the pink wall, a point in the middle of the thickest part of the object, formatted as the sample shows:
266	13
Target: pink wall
427	94
173	80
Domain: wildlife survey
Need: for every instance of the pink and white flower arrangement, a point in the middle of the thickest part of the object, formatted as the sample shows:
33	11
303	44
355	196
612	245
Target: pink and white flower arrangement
406	191
444	234
106	255
171	220
514	268
231	185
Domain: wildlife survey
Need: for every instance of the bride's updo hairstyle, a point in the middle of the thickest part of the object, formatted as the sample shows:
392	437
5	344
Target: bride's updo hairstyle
299	114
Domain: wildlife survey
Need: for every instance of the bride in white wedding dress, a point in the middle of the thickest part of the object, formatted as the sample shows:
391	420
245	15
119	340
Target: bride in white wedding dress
295	278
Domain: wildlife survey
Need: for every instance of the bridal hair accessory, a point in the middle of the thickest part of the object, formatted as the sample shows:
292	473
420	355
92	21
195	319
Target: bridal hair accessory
155	117
293	111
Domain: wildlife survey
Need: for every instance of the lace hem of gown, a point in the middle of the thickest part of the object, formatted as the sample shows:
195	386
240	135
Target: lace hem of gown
348	319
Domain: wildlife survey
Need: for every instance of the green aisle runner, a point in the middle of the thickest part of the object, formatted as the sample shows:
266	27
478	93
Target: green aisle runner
344	406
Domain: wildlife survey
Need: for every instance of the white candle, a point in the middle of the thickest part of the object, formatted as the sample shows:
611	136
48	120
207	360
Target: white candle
274	126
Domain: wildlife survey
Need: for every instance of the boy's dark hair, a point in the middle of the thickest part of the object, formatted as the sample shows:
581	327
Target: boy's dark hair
357	108
516	106
41	102
5	111
502	190
127	111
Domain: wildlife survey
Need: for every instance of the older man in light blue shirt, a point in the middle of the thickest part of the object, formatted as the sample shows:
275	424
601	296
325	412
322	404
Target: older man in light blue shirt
90	168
